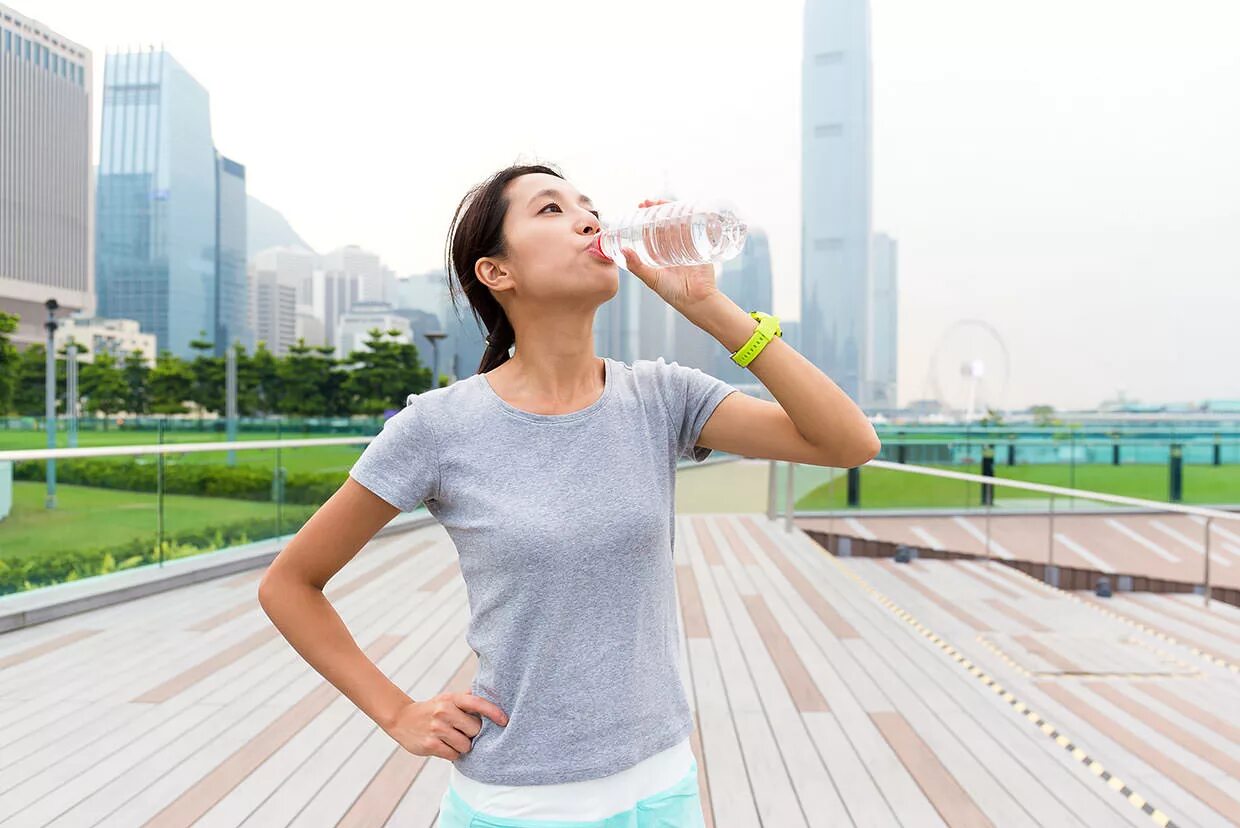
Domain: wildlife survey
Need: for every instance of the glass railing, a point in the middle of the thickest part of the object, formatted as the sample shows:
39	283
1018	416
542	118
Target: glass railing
115	508
1066	536
1201	467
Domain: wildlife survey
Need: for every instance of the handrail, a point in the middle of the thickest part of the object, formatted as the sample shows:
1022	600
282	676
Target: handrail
175	448
191	448
1083	494
1210	515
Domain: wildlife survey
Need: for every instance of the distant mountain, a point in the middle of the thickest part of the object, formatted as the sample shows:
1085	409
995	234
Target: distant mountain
266	227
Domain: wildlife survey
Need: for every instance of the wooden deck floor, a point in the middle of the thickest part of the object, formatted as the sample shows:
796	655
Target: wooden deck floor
827	692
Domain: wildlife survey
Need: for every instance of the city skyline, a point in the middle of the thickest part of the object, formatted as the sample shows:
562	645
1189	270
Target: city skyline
1001	211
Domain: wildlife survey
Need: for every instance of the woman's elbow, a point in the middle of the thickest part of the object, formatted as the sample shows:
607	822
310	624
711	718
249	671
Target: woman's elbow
869	447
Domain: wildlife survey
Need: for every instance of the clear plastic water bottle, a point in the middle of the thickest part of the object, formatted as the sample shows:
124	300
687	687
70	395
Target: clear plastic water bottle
675	234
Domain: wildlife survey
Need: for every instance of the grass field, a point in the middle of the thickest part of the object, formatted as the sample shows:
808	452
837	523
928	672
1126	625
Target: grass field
89	517
881	488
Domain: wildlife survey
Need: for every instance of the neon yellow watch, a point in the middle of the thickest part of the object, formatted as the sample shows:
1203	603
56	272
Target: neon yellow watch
768	328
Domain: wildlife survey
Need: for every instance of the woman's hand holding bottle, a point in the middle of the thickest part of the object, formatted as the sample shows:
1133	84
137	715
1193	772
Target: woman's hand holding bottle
680	286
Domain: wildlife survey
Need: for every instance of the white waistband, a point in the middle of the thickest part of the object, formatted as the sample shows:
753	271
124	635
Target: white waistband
586	799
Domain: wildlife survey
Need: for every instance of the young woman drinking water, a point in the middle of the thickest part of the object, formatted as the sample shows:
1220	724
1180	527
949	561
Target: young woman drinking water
553	471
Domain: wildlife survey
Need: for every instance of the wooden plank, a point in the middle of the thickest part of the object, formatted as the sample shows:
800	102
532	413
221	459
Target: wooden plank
315	782
968	620
841	752
1032	756
951	801
181	757
1192	783
838	627
777	695
730	788
70	731
970	754
253	773
1166	694
44	647
1017	616
773	789
1160	724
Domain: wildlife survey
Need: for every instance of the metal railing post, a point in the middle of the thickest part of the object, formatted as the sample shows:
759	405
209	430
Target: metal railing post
989	556
789	497
1207	556
772	487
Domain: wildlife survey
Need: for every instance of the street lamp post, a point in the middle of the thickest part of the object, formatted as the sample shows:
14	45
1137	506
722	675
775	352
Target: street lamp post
434	337
49	386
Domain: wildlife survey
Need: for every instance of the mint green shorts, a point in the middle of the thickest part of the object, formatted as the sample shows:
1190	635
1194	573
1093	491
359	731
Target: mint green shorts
679	806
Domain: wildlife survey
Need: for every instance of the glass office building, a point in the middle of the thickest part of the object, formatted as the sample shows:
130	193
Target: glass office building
168	228
45	192
836	190
232	285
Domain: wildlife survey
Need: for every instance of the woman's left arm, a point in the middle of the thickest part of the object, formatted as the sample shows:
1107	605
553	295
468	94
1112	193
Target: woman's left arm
814	421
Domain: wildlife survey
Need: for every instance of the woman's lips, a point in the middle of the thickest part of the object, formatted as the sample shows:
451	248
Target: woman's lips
596	250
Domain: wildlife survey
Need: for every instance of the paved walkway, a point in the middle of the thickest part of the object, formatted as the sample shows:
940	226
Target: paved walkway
826	691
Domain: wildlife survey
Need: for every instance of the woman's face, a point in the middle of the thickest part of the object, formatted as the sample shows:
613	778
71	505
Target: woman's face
548	228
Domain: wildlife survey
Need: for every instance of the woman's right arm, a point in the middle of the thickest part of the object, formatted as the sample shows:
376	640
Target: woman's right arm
291	593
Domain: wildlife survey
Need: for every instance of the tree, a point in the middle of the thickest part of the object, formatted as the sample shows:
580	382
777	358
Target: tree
8	362
384	374
207	389
171	384
136	374
1043	415
103	385
268	389
28	396
308	387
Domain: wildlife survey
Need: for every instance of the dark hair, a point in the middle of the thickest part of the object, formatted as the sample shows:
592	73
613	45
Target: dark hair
475	233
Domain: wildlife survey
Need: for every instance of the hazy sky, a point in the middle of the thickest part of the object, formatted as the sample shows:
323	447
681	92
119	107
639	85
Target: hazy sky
1066	170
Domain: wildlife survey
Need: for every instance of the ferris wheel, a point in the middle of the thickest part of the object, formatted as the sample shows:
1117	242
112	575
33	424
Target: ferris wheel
969	370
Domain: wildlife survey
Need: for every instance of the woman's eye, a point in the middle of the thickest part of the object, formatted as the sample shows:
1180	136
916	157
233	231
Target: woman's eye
595	213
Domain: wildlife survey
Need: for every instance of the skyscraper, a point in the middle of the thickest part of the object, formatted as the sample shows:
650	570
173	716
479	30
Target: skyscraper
884	319
232	294
835	190
281	279
166	201
46	201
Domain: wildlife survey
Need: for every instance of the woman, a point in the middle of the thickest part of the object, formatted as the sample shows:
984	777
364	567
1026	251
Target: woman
553	471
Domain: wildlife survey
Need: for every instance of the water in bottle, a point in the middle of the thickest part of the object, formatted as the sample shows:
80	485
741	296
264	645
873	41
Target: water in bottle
675	234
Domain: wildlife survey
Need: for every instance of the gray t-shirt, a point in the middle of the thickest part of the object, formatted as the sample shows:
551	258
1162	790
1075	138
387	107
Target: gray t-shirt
564	524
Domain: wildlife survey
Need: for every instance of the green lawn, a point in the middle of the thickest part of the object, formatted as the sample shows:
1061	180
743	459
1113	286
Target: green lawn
881	488
89	517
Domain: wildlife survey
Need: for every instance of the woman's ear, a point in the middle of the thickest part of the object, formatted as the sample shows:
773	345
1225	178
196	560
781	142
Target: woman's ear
492	274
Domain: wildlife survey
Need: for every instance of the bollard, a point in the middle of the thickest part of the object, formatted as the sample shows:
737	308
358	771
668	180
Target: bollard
854	486
988	470
1177	473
